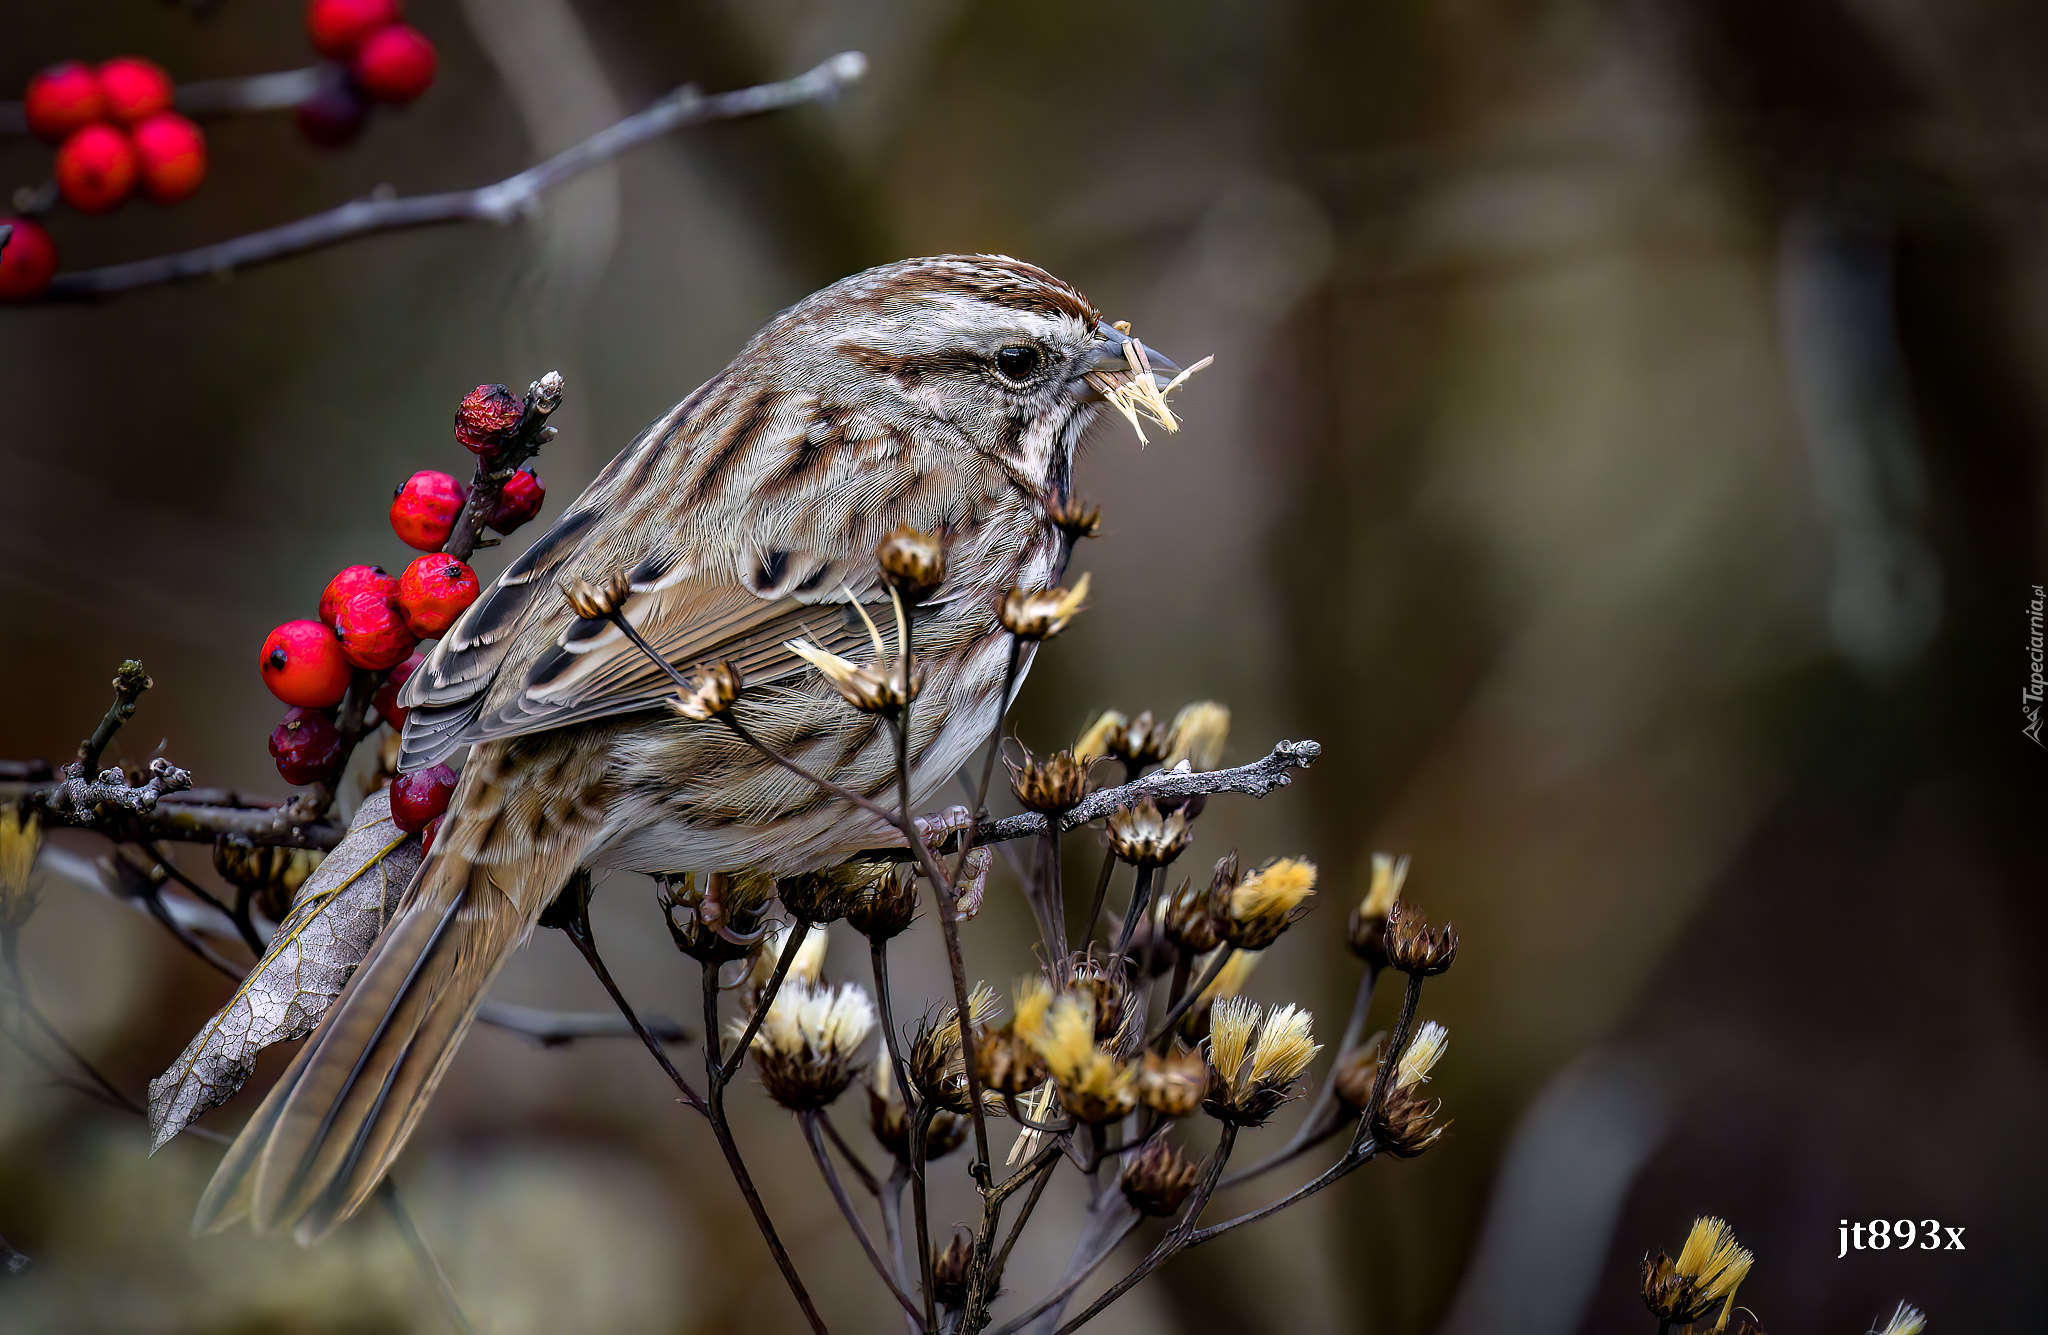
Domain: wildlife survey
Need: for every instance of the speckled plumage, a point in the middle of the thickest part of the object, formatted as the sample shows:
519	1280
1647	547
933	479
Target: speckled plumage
745	516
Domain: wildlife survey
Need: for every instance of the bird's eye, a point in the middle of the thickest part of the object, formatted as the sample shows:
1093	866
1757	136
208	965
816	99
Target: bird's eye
1019	361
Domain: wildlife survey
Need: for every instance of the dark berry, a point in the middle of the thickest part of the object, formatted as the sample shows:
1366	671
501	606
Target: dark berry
386	698
303	665
518	502
488	417
307	747
434	590
424	510
333	114
420	796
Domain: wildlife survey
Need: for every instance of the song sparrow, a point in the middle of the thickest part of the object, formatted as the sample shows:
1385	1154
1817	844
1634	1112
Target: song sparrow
945	393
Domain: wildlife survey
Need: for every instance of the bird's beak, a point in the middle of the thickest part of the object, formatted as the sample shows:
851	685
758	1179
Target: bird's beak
1132	378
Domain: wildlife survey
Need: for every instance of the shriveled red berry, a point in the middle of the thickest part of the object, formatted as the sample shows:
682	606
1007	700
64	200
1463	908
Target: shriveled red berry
333	115
303	665
352	581
425	508
29	261
488	417
135	89
338	27
386	698
434	590
62	100
518	502
96	169
170	152
372	632
417	798
306	747
395	63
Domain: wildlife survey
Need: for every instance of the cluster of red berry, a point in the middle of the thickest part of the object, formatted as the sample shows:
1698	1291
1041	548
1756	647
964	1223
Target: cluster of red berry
372	56
370	623
115	132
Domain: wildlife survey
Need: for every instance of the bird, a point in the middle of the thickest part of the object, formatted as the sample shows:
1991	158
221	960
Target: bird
948	394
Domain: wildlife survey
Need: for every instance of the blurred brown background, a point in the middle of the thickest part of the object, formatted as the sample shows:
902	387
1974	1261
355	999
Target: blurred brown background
1623	453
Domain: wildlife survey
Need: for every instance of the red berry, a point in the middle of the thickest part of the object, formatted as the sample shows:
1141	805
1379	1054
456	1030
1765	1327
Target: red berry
62	100
433	591
338	27
352	581
171	152
518	502
417	798
307	747
303	665
386	698
395	64
333	115
372	632
424	510
135	89
96	169
487	418
28	262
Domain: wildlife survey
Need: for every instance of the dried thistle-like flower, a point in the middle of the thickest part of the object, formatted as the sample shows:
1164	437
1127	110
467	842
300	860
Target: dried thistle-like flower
1095	1086
1905	1320
1266	903
952	1269
1405	1122
1198	735
1414	947
1137	742
1041	614
1709	1268
1157	1179
1368	926
890	1121
1230	979
912	563
1110	988
712	693
884	907
1256	1059
719	919
21	840
1074	517
1052	786
1191	913
820	897
597	600
881	687
1004	1059
1143	837
935	1061
807	967
1173	1085
805	1047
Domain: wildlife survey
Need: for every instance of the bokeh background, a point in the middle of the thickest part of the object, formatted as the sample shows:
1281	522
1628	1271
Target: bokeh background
1623	452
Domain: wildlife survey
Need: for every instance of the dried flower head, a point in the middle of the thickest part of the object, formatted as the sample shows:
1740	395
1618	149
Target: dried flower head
1905	1320
597	600
1198	735
1110	988
21	840
1143	837
912	563
1074	517
1230	979
820	897
1173	1085
1158	1178
1421	1055
884	907
1264	904
1136	393
1256	1059
1368	926
711	694
1093	1084
1188	922
936	1065
250	866
1043	613
807	967
1006	1062
881	687
805	1047
1356	1071
717	919
1137	742
1052	786
1709	1268
890	1121
952	1269
1414	947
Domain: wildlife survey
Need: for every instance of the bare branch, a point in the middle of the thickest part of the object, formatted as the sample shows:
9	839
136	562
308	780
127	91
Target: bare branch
554	1029
504	202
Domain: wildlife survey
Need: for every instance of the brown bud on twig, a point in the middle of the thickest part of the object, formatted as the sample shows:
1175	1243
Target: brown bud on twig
1173	1085
1074	517
912	563
1005	1063
1158	1179
815	898
952	1267
1141	836
1356	1071
1044	613
1253	913
1368	926
1189	923
1137	742
1051	787
884	907
712	693
1414	947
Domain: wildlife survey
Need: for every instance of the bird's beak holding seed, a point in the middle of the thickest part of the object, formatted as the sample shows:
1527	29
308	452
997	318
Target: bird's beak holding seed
1133	379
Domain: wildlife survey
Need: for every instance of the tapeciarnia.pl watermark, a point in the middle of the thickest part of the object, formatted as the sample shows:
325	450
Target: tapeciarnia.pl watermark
2030	696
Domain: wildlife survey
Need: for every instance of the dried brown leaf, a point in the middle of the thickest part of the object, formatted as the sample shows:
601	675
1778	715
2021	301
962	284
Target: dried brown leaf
338	913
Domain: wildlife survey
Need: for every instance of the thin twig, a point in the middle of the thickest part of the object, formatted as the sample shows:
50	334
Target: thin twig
1188	999
854	1162
812	1138
505	202
1176	1237
430	1265
731	1066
